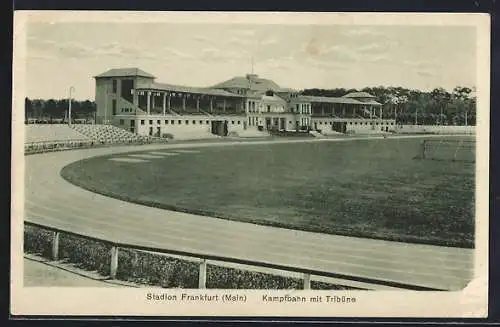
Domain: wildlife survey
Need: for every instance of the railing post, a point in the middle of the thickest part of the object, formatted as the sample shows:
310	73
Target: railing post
202	278
307	281
55	246
114	262
135	260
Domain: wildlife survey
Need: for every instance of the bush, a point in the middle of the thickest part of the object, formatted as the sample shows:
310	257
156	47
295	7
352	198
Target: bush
88	254
168	136
156	269
38	241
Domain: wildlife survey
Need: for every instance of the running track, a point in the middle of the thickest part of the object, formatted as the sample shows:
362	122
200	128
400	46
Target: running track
52	201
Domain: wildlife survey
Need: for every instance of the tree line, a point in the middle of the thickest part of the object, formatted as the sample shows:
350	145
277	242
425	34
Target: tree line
438	107
48	110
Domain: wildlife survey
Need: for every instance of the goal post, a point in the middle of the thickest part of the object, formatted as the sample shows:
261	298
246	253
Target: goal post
462	149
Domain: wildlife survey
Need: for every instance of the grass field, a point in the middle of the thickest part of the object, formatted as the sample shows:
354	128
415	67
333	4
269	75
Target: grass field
365	188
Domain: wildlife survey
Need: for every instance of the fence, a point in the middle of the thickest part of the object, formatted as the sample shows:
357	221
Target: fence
61	145
206	258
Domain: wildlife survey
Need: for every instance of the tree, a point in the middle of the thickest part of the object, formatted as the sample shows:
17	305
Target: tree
442	99
28	108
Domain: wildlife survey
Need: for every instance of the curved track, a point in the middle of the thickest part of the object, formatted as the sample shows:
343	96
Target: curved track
52	201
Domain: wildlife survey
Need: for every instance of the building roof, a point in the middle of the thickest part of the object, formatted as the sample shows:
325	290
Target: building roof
124	72
187	89
272	98
250	81
311	98
373	102
358	95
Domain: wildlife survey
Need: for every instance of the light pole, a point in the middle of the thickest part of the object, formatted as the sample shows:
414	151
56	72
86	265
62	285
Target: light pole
71	89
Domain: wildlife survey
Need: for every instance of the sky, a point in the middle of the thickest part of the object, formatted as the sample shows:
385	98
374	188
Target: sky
64	54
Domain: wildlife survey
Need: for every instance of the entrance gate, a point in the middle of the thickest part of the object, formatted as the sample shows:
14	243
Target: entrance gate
219	127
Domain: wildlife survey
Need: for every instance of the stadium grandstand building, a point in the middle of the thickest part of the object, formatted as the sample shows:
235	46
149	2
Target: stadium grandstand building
132	99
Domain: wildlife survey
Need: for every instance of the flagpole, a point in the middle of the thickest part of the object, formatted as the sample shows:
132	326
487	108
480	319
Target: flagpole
71	89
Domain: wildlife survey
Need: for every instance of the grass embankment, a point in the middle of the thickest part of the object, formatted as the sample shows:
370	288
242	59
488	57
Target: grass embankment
154	269
366	188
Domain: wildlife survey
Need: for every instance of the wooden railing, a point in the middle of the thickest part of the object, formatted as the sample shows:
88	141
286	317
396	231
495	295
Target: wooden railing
203	259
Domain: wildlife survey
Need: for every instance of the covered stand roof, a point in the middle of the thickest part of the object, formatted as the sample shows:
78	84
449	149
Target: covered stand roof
186	89
340	100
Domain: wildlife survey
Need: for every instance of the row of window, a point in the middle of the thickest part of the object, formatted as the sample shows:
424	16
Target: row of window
360	123
179	122
303	108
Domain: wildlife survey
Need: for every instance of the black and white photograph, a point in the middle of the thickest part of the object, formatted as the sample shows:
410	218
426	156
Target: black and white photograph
250	164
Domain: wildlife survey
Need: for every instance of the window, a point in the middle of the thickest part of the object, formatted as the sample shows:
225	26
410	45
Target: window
268	108
115	84
194	122
142	121
172	122
239	122
114	107
158	122
331	123
122	122
207	122
179	121
355	123
350	123
150	122
187	122
232	122
166	122
298	110
289	121
201	122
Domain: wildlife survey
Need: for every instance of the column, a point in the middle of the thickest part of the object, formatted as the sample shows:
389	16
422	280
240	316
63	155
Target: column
198	103
224	106
353	111
322	109
380	112
168	103
183	102
153	100
164	103
211	104
135	98
149	102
